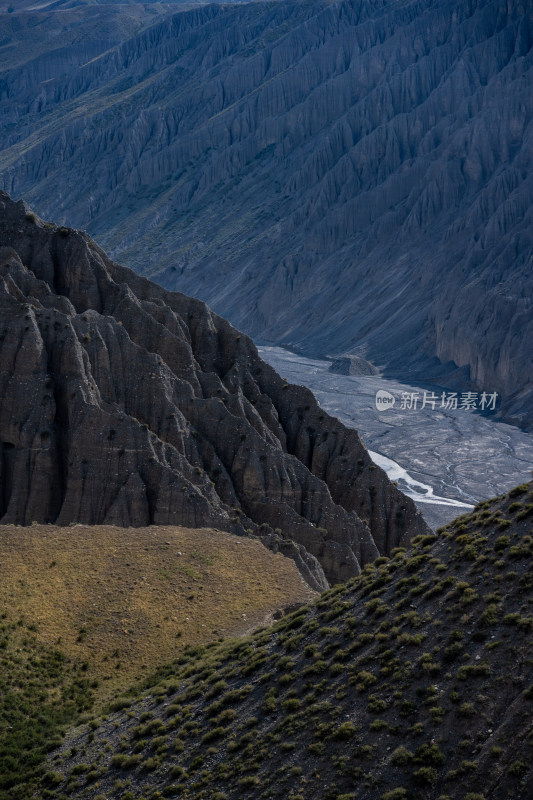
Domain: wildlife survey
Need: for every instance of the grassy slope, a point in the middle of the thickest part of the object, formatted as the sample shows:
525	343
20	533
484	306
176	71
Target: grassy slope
41	693
414	681
124	601
86	611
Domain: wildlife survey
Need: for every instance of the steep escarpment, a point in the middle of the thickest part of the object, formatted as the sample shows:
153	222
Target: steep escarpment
347	177
412	682
125	404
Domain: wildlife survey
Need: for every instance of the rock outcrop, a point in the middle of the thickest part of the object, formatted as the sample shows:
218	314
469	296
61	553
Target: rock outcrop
339	177
123	403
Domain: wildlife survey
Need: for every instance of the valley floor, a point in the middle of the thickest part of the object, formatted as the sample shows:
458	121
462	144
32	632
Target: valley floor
446	460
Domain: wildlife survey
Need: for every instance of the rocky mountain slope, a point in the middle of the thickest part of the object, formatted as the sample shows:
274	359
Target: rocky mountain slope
340	177
39	41
125	404
412	682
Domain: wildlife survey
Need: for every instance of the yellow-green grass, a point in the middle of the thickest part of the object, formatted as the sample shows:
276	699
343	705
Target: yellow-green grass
121	601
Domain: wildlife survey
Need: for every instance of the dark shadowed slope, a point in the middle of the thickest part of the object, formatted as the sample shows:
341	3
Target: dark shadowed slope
413	682
125	404
333	176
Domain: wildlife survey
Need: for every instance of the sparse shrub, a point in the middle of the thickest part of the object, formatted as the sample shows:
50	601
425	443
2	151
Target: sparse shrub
518	490
425	776
452	651
518	769
178	772
124	761
196	763
228	715
119	704
376	607
467	709
436	713
291	705
78	769
346	730
473	671
287	747
407	708
375	704
503	523
216	689
512	619
501	543
53	779
363	680
214	734
526	511
491	615
395	794
315	668
401	756
430	754
249	782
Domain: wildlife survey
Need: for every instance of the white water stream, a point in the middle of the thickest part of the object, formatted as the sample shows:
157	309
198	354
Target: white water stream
445	459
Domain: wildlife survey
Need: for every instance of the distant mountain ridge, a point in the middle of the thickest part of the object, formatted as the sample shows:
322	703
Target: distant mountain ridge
47	6
335	177
124	404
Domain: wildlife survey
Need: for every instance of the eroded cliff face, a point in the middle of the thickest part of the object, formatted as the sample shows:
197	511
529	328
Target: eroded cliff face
342	177
126	404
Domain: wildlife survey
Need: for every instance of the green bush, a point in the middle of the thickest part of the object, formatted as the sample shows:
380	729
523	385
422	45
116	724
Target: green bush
518	490
518	769
430	754
502	542
395	794
526	512
178	772
363	680
123	761
346	730
473	671
425	776
249	782
401	756
214	734
291	705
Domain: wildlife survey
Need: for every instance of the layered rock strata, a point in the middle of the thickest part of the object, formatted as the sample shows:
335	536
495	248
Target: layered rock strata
126	404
